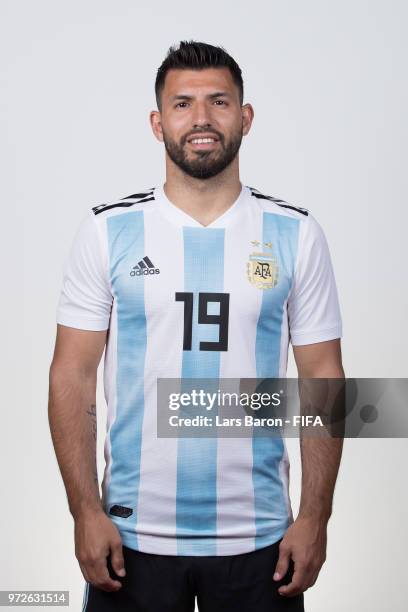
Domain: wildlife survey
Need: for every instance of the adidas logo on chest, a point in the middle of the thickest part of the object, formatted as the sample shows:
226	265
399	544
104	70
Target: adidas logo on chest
144	267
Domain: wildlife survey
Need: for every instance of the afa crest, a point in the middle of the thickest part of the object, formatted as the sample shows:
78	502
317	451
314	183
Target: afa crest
263	268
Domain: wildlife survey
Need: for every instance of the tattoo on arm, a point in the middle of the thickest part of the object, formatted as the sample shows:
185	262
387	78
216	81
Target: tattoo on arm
92	414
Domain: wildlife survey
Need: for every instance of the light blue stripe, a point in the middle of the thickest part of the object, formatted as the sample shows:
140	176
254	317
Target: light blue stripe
196	505
271	517
126	248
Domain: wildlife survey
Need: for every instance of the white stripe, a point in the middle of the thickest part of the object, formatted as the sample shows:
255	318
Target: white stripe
235	492
110	367
110	376
284	341
156	512
284	470
85	597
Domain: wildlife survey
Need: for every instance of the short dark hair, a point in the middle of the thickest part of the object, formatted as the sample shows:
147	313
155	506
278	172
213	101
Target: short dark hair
193	55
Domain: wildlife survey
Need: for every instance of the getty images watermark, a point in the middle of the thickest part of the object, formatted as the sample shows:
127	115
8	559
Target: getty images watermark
282	407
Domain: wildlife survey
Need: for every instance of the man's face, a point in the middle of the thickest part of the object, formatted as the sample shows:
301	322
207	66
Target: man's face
201	104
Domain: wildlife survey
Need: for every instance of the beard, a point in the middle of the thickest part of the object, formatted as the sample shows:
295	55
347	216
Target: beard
203	164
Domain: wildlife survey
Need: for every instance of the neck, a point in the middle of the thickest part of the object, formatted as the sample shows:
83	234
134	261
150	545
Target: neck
204	200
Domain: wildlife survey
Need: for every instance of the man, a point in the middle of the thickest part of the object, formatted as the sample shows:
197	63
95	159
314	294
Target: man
199	277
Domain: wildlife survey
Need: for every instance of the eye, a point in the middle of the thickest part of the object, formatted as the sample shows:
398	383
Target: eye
178	104
221	101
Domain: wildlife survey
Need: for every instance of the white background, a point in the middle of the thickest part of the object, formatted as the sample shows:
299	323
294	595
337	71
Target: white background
328	84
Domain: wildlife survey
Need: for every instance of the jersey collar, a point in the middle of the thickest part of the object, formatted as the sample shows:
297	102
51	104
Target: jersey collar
177	216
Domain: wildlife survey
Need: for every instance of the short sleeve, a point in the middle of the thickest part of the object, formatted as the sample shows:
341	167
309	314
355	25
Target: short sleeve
85	299
313	304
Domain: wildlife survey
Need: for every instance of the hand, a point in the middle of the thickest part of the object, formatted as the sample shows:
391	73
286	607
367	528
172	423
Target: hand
95	537
305	542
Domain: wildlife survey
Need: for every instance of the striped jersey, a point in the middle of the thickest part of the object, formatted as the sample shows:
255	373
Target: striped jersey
256	278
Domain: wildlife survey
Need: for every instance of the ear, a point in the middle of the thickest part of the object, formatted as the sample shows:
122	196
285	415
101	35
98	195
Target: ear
247	118
155	122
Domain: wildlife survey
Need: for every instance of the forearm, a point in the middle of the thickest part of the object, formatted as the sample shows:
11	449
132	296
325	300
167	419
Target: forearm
320	464
72	420
321	454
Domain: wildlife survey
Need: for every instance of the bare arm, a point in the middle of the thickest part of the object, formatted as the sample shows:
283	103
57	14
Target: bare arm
320	456
72	419
72	413
305	541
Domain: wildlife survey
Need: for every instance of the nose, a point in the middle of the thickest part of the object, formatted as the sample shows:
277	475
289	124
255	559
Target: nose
200	116
202	125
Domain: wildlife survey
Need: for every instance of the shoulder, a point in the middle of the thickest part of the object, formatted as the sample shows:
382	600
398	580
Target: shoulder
134	201
274	204
310	230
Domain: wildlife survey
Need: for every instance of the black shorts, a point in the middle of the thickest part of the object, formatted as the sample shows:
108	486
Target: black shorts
168	583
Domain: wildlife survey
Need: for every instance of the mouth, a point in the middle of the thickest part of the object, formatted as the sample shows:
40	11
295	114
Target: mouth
203	142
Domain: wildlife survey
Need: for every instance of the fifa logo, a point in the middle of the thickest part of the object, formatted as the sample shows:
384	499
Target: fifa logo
262	267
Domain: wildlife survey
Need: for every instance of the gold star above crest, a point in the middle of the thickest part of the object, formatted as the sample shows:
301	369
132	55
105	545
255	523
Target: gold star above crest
268	244
255	242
